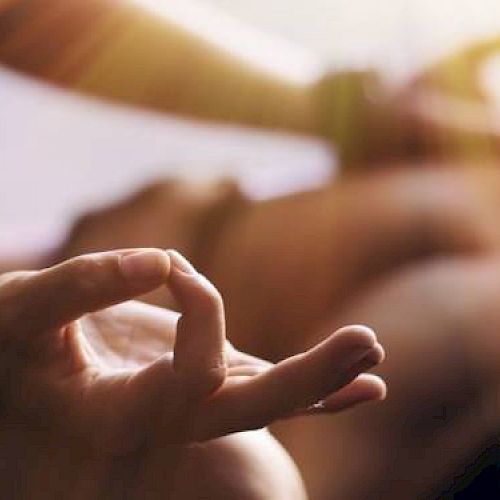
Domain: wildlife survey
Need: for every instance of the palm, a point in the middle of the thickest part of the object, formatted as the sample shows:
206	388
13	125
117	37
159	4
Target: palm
129	336
117	342
125	339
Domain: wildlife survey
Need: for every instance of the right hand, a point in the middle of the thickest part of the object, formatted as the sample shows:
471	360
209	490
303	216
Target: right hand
95	403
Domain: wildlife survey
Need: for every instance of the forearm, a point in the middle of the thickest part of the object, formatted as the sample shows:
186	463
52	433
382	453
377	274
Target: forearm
131	53
161	58
164	57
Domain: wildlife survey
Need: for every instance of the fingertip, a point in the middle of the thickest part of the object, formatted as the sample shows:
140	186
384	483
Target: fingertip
376	354
357	336
180	263
145	266
193	291
365	388
381	388
373	386
372	358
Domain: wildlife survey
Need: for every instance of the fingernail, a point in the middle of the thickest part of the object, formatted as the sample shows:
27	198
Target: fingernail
144	265
180	263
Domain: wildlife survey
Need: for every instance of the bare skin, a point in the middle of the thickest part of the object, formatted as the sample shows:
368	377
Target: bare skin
125	52
128	401
440	323
343	236
395	224
388	222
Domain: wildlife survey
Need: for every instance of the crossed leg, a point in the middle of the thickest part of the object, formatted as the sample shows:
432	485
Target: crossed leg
440	322
285	264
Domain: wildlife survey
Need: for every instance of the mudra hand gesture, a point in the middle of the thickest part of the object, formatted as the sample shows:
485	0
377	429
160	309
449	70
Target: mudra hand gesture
102	398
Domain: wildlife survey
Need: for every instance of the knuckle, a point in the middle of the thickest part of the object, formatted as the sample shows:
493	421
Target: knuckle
209	300
86	272
215	376
88	263
204	381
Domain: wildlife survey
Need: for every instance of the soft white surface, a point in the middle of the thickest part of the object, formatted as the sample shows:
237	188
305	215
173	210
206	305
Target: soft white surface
396	35
61	153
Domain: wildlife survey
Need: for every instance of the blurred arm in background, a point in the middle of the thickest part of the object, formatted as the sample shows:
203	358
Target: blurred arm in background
181	57
143	53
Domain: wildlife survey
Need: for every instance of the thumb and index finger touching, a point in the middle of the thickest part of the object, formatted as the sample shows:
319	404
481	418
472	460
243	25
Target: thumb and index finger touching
33	303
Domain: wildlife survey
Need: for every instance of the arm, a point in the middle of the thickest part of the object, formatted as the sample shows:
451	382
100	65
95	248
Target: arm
177	57
167	56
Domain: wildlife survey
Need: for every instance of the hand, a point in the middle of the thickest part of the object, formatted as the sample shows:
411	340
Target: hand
97	404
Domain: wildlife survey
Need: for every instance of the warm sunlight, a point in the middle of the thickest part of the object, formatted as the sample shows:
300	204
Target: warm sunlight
270	53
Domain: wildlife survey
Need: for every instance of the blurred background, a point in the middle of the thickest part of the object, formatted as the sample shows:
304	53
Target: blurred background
53	142
396	35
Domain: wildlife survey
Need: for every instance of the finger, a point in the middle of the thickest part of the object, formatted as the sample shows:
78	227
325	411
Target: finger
156	399
374	357
304	379
294	383
199	358
148	408
246	370
364	388
48	299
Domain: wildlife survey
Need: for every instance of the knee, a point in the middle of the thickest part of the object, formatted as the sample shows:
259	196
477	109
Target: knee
245	466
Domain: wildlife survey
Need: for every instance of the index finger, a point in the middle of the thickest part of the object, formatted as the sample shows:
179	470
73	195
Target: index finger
199	352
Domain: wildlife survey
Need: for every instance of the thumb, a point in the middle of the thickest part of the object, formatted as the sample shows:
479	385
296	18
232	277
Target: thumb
46	300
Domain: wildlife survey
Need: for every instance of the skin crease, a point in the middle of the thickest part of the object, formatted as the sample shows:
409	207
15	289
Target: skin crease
97	405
